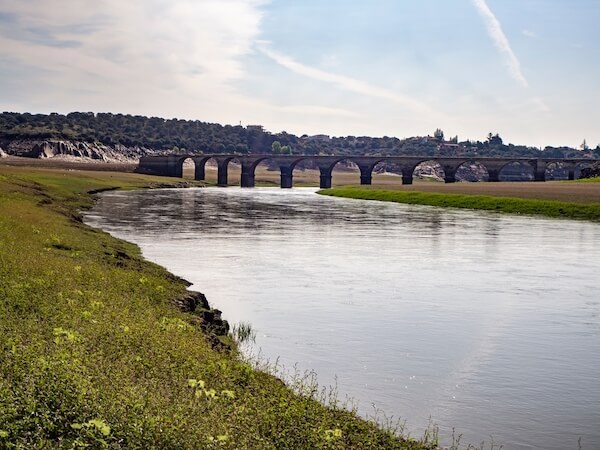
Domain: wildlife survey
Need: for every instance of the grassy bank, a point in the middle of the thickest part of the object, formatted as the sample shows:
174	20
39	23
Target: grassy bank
94	352
549	208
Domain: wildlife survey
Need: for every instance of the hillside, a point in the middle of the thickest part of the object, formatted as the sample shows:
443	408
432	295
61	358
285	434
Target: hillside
106	136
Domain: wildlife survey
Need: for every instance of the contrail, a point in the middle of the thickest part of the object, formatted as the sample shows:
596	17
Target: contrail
494	29
344	82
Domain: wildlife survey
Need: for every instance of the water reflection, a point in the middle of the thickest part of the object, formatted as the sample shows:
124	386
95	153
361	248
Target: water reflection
488	323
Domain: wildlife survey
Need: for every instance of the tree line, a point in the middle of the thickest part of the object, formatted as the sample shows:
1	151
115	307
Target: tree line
194	136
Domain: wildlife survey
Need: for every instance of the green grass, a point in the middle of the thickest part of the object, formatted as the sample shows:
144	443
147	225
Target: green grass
510	205
587	180
93	352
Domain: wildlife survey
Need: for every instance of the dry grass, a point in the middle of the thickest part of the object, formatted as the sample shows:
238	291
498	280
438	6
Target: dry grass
69	164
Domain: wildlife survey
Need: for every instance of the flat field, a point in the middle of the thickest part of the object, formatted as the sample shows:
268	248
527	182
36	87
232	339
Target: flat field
566	191
583	191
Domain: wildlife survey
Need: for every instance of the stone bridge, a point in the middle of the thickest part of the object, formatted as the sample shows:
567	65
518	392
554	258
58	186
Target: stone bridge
172	166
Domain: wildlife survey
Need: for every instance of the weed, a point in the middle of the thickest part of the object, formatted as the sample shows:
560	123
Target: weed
243	332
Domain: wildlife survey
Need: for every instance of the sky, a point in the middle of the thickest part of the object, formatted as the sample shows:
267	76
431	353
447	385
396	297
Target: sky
526	69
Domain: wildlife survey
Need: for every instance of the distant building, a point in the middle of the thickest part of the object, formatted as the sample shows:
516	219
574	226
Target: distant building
451	147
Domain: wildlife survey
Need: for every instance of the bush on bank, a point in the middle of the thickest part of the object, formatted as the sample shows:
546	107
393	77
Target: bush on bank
94	354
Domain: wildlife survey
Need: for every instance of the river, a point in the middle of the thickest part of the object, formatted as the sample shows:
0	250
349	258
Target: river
485	323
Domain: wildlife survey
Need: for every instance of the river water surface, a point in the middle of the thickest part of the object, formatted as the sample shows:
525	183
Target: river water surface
487	323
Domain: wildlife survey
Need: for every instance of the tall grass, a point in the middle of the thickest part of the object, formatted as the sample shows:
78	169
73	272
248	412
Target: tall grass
243	333
549	208
94	354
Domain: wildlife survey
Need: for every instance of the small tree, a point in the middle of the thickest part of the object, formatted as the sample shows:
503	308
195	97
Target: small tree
438	135
494	139
276	147
584	146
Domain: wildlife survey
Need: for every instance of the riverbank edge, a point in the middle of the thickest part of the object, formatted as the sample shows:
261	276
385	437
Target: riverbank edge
506	205
70	207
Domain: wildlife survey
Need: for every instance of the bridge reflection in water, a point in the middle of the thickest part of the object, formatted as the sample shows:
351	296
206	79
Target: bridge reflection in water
172	166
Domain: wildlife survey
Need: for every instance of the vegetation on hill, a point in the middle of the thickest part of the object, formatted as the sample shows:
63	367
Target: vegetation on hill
93	352
194	136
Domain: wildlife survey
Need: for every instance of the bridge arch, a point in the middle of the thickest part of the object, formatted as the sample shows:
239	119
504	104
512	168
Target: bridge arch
427	168
200	166
365	166
578	166
559	170
285	164
182	166
472	171
386	167
515	170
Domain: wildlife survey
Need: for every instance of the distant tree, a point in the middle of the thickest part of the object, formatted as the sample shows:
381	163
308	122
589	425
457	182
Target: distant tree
276	147
454	140
584	146
438	134
494	139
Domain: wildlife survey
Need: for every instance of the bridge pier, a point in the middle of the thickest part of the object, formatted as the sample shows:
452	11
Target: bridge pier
200	169
539	170
325	178
248	177
450	178
449	171
493	175
222	172
287	176
572	168
366	174
407	175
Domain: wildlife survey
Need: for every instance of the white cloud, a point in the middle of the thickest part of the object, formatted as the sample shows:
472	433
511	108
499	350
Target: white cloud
501	41
135	56
345	83
529	34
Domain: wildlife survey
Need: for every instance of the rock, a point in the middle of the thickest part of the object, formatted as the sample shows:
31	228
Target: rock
591	172
41	149
204	317
191	301
3	153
